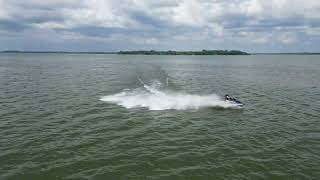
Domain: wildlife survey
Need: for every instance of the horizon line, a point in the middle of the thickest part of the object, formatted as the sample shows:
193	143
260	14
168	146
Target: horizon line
117	52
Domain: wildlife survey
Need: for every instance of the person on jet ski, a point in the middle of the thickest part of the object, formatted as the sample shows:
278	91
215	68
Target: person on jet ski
228	98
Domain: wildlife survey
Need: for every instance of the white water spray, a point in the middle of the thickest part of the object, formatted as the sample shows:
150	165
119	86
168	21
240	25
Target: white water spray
154	99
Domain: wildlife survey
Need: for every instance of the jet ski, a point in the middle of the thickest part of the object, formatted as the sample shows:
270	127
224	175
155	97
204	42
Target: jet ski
232	101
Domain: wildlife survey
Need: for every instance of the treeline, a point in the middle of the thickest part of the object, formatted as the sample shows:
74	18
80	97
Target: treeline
203	52
144	52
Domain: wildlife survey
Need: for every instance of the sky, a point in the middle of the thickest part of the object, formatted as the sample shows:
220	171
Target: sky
112	25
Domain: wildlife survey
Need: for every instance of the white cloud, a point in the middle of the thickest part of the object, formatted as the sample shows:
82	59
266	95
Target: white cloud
313	31
114	13
154	22
287	38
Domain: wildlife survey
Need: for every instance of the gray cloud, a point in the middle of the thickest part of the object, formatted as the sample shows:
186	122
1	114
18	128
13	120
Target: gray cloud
252	25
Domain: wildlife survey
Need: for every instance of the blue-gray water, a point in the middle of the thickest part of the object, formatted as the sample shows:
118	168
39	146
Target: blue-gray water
66	116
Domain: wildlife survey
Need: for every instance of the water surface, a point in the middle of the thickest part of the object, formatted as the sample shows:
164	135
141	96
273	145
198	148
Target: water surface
56	124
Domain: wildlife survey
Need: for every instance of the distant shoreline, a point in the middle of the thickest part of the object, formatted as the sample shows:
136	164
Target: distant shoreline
56	52
151	52
142	52
294	53
192	53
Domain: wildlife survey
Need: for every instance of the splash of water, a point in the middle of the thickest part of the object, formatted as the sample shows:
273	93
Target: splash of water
153	98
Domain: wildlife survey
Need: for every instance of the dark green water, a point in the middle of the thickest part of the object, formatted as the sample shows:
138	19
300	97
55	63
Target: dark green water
54	124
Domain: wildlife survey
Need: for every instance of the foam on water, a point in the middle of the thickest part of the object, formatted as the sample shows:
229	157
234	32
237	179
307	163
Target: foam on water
153	98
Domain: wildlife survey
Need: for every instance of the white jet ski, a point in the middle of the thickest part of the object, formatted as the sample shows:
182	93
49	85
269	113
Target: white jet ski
232	101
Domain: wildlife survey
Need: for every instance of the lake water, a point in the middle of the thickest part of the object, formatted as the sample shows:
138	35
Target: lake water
65	116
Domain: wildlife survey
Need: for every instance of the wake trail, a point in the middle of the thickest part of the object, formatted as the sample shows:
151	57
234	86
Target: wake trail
153	98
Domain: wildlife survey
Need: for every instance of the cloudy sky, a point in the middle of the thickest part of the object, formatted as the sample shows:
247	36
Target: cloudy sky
112	25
